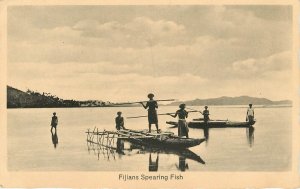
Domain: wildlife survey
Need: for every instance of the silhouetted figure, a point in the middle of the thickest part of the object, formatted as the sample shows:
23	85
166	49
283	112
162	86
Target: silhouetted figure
54	138
250	135
250	115
183	129
119	121
182	164
152	114
54	121
206	115
206	133
120	146
153	165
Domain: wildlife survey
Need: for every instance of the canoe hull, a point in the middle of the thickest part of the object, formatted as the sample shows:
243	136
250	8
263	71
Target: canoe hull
172	142
214	124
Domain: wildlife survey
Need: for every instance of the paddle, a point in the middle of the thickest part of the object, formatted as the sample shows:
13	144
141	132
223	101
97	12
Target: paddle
123	103
157	114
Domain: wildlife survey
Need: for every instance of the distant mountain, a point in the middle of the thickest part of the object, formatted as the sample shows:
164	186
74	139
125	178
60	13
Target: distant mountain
224	100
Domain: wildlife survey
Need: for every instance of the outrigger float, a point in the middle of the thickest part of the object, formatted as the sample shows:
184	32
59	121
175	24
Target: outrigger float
200	124
142	137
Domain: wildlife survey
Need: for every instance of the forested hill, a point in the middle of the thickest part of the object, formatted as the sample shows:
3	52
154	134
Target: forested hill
31	99
241	100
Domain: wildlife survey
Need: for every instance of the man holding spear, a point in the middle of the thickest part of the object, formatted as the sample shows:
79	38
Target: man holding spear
183	129
152	114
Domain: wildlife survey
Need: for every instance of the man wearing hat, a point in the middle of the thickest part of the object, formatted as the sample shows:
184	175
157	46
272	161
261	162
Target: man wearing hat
250	114
119	121
183	129
152	114
54	121
206	113
206	116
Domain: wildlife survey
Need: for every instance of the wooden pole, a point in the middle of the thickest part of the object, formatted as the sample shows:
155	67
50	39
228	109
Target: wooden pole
124	103
158	114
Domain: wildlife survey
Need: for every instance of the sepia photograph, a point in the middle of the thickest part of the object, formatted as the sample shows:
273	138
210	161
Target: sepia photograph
150	91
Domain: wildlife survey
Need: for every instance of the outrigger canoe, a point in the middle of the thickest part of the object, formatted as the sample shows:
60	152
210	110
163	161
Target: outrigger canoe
199	123
161	140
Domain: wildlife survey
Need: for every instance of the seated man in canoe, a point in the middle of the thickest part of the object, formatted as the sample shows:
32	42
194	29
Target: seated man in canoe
183	129
152	114
119	121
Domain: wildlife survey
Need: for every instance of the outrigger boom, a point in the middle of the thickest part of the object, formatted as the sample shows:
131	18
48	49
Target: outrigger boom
163	139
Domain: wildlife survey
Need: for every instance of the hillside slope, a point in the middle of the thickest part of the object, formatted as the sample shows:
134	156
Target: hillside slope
19	99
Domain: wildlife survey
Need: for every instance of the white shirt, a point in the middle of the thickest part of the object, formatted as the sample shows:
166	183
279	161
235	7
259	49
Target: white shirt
250	112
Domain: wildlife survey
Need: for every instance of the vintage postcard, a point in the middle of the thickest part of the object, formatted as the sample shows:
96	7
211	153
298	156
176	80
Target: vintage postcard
149	94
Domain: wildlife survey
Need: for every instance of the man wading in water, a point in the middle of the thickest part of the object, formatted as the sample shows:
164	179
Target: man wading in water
54	121
152	114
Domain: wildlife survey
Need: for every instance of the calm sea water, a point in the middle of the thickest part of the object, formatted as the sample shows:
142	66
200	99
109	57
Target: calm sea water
31	148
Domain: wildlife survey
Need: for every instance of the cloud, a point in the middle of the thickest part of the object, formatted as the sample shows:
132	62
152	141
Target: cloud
229	34
139	32
174	50
276	62
99	81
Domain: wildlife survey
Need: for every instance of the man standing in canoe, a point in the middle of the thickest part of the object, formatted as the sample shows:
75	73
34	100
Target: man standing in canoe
183	129
206	116
250	114
152	114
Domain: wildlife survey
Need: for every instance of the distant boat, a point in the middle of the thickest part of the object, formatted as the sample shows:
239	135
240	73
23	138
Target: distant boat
199	123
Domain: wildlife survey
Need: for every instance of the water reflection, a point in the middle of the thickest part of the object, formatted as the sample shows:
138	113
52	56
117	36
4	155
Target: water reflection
120	147
206	134
182	166
250	135
109	152
54	138
153	165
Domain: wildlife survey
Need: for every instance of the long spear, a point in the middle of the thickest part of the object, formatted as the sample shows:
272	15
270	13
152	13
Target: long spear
123	103
157	114
195	110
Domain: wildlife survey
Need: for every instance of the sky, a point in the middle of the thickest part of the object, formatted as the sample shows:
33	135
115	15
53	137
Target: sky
121	53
